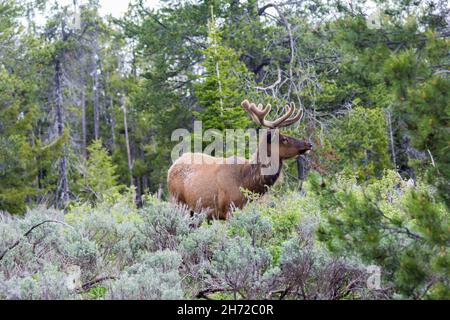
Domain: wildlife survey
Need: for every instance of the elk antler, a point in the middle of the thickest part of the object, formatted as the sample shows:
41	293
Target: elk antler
259	113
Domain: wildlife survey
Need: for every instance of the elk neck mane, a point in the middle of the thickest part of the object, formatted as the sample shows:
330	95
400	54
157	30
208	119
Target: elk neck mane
253	179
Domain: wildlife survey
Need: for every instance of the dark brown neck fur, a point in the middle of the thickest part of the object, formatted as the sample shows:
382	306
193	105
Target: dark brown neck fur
254	181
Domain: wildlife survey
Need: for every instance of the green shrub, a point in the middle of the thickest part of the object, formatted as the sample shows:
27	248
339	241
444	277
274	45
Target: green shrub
393	224
156	276
116	251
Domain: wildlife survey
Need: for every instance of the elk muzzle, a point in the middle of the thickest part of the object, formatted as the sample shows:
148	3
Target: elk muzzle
304	147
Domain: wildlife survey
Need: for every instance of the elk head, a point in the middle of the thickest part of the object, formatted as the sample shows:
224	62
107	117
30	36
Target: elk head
289	147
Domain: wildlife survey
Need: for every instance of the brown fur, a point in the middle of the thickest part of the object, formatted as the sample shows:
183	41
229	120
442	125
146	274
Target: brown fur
215	185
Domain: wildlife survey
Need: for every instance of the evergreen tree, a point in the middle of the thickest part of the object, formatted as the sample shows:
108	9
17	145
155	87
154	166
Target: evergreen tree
220	91
24	155
359	142
99	178
387	223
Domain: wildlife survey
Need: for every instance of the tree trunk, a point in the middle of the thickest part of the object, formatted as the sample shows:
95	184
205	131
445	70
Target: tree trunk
95	96
145	176
83	123
391	139
301	170
63	183
145	183
113	122
139	191
127	140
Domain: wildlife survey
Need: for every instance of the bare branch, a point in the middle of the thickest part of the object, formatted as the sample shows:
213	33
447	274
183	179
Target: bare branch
92	283
15	244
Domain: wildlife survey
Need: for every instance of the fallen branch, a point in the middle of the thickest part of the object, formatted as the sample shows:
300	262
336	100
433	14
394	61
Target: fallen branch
90	284
15	244
204	293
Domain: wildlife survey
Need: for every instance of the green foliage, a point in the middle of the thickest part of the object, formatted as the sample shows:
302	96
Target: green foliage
23	154
392	224
220	90
429	109
360	142
376	98
50	284
399	67
161	252
154	277
15	162
252	225
97	293
99	179
309	270
245	268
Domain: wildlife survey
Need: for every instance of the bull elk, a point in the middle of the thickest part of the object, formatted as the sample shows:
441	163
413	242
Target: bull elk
215	184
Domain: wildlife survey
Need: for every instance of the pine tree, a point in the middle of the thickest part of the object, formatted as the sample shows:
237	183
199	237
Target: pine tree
23	154
220	91
387	223
99	179
360	144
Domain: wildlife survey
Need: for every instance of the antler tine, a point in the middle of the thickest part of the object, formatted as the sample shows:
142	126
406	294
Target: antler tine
246	105
297	117
258	114
255	116
278	122
260	111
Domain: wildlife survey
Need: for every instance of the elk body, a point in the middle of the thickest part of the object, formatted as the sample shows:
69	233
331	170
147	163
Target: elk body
214	184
